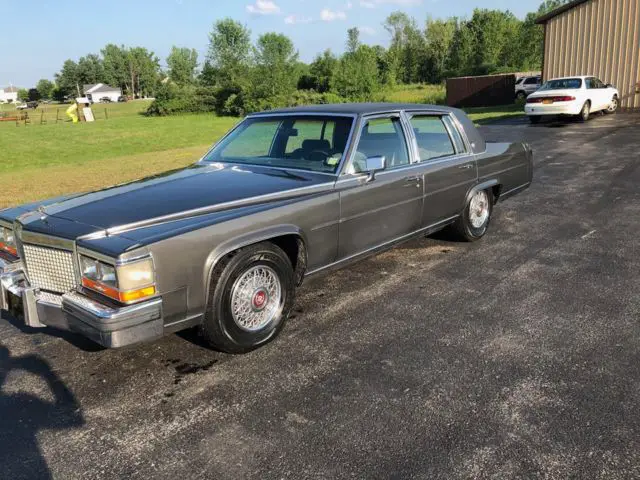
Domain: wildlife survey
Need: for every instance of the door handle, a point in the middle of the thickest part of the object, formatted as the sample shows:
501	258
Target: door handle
466	166
410	181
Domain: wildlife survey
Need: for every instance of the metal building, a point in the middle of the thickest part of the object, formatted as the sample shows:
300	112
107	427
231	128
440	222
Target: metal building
595	37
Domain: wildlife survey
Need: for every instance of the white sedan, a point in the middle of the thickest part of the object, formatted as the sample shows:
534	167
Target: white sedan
572	96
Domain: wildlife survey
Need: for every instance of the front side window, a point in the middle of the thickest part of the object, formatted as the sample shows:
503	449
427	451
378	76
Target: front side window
432	137
381	137
315	143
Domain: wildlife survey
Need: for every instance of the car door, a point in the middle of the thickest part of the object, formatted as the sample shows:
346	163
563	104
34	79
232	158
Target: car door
377	211
594	93
604	93
448	168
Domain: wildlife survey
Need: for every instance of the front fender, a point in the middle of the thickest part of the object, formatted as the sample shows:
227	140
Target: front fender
244	240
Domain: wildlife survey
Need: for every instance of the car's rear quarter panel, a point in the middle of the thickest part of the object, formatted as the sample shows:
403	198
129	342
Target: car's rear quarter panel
507	163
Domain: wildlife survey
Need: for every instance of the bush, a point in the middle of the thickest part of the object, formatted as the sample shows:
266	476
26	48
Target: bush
171	99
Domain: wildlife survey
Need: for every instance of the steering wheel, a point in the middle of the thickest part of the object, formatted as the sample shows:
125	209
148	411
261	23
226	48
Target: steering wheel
318	155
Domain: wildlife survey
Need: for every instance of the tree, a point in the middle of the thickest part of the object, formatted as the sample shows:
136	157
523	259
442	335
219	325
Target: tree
276	63
322	70
45	87
23	95
143	67
229	52
208	74
461	56
90	70
407	49
33	95
438	40
356	77
353	39
495	34
182	64
116	67
67	79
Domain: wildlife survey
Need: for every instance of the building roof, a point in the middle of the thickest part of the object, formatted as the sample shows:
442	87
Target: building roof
11	89
554	13
358	108
99	88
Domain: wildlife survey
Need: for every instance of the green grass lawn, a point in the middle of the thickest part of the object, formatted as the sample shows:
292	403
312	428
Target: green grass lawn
40	161
415	93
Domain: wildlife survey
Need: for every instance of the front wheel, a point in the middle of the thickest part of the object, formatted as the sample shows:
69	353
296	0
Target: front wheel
473	223
250	297
613	106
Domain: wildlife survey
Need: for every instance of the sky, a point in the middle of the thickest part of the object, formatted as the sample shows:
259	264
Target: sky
34	46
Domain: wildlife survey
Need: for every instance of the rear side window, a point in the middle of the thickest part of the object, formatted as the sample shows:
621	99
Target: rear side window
432	137
455	135
531	81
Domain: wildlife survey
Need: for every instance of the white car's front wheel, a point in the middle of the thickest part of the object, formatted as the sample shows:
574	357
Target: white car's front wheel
613	106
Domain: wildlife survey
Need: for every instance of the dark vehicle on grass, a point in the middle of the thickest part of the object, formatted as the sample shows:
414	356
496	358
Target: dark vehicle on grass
105	100
224	243
123	98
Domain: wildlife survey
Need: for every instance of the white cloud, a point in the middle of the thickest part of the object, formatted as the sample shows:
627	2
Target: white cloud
367	30
263	7
349	5
400	3
330	16
297	19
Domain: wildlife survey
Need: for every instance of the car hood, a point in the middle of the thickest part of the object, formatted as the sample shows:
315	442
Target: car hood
196	187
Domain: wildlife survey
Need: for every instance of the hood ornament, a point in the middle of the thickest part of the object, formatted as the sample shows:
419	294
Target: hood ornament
43	211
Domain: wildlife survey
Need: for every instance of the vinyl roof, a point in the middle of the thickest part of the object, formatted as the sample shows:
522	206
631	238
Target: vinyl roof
358	108
554	13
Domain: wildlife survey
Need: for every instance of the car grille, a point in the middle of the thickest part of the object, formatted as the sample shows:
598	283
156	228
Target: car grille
49	268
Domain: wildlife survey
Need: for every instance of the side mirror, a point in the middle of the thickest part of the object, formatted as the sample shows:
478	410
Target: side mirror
373	165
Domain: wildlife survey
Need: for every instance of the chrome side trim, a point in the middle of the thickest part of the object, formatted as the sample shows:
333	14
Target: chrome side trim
513	191
387	244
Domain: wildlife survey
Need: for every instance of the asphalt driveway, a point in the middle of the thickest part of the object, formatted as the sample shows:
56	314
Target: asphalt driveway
514	357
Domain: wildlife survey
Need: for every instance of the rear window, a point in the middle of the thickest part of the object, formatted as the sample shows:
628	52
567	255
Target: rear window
563	84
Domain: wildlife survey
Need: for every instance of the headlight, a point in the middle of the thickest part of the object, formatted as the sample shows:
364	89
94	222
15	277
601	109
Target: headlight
125	283
8	241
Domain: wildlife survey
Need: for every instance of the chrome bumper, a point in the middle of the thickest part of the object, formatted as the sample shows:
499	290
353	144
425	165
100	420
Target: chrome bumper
108	326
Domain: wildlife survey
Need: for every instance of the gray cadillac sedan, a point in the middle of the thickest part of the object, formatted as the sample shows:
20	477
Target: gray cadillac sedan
224	243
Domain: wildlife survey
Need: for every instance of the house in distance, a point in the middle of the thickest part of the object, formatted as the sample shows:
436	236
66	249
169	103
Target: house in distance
96	92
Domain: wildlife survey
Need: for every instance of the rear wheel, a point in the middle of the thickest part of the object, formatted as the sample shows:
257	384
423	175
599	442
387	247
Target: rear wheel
613	106
585	112
534	118
521	96
250	297
474	221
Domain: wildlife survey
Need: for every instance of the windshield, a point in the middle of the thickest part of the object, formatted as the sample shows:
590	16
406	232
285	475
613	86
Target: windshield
562	84
315	143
